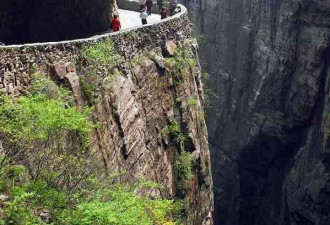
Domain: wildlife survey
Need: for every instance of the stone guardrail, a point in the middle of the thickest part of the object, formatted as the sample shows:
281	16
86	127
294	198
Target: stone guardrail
128	6
16	61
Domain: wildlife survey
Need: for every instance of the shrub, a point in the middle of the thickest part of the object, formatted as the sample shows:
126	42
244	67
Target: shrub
183	168
97	203
39	118
181	64
176	134
101	53
121	205
192	102
102	59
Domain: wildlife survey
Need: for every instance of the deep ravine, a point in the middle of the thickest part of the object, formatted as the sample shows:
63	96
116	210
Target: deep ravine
268	117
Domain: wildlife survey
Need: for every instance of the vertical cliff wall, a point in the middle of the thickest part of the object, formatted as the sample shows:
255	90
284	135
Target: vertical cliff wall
268	118
47	20
144	86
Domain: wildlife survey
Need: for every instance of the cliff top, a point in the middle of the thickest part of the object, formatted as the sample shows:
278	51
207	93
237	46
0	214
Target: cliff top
147	28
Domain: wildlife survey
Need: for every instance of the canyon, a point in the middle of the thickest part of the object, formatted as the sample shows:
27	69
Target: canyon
268	116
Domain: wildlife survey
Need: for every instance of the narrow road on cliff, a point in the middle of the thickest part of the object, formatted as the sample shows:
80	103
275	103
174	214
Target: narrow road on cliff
130	19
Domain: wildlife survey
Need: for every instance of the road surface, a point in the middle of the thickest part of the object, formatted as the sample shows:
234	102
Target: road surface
130	19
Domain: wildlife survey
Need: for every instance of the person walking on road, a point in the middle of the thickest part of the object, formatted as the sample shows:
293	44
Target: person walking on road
149	5
115	24
173	5
160	4
163	13
142	4
144	16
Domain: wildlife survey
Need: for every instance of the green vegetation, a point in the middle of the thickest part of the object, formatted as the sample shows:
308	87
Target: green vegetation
183	168
135	61
176	133
39	118
101	53
95	202
184	160
181	64
192	102
102	59
47	166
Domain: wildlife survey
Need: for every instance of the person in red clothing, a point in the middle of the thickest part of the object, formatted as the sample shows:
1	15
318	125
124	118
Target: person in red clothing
115	24
163	13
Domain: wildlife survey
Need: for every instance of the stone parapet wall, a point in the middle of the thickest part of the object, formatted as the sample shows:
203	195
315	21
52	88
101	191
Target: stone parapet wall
17	60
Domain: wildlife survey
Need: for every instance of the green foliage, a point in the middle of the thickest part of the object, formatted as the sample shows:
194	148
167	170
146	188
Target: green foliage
94	203
181	65
17	210
205	76
135	61
192	63
101	53
176	134
192	102
183	168
102	59
121	205
39	118
45	167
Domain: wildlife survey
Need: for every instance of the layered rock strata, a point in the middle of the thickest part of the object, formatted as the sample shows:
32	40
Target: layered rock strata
135	103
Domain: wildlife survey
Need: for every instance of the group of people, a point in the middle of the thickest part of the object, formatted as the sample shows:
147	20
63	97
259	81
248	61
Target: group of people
146	8
145	12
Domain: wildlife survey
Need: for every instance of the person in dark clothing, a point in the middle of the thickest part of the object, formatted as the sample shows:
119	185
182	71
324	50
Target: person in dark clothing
149	5
163	13
173	4
142	4
115	24
160	4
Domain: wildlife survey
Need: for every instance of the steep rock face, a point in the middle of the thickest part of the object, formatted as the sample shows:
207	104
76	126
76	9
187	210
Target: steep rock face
47	20
268	118
135	104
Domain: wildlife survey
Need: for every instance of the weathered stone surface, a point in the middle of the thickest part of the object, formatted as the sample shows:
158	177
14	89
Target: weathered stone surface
45	216
170	48
60	70
134	106
73	82
268	119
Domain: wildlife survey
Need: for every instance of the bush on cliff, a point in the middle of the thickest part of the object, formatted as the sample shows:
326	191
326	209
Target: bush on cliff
46	173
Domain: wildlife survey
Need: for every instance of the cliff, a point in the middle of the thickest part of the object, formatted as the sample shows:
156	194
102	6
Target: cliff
268	118
146	94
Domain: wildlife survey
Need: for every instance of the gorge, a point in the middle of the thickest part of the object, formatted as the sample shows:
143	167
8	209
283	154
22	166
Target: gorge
268	118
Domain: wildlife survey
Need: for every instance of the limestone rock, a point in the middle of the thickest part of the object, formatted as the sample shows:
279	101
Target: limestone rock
45	216
169	48
59	70
73	82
